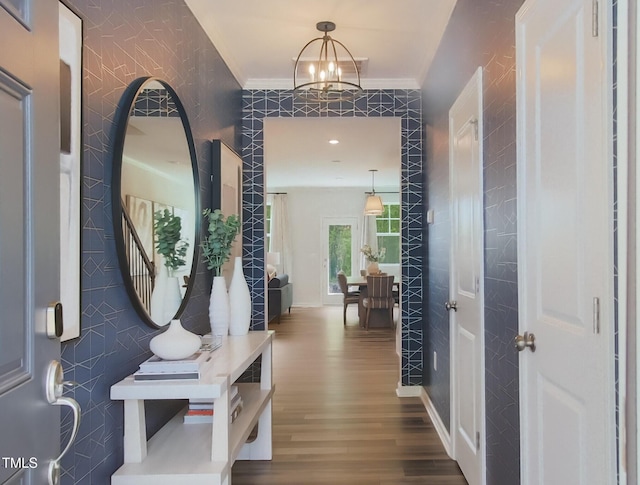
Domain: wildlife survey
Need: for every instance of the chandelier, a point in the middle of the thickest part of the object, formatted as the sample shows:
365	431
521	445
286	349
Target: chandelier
325	70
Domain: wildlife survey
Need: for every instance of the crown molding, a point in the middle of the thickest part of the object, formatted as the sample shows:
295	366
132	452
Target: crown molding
278	84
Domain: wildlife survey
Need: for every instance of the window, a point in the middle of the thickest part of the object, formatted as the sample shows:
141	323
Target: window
388	230
268	227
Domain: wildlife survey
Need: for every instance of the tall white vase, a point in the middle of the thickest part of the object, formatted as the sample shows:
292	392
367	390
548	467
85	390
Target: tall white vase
172	298
219	307
158	296
239	301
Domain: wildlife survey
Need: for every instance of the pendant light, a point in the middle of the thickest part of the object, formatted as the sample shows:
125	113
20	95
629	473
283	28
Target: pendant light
325	70
373	207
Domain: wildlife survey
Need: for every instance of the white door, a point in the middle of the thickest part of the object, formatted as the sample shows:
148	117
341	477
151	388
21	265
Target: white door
466	305
29	247
340	242
565	235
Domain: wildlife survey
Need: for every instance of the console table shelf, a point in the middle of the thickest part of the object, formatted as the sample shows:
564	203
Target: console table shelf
199	453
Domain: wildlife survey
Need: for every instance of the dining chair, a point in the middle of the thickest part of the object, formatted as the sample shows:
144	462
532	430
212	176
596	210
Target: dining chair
379	296
347	296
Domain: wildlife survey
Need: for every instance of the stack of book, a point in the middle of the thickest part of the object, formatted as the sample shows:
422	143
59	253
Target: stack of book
201	410
156	369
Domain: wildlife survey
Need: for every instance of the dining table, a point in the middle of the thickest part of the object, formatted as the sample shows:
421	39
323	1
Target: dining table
379	317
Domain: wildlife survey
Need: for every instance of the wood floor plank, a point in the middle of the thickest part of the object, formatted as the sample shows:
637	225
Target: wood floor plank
336	417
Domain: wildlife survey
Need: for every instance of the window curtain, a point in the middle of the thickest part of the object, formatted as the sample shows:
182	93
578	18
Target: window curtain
280	235
369	235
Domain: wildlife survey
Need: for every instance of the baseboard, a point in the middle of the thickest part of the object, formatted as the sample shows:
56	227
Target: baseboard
408	391
439	426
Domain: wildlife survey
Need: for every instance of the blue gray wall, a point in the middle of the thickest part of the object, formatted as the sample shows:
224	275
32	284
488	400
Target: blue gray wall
480	33
124	40
399	103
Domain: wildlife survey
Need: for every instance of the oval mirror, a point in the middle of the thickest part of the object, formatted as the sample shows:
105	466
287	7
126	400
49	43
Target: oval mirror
155	200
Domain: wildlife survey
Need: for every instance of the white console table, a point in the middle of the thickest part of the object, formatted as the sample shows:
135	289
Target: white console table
199	453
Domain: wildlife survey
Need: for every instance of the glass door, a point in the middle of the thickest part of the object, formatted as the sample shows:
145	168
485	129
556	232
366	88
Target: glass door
340	237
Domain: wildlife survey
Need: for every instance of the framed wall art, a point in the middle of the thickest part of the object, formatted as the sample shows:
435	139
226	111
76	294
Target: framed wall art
226	173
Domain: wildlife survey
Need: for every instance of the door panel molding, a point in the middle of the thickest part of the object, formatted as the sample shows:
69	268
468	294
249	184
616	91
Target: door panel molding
15	359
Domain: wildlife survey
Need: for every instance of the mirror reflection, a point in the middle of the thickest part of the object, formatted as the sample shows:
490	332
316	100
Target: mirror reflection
158	203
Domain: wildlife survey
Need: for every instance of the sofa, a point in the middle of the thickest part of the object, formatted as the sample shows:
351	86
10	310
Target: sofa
279	296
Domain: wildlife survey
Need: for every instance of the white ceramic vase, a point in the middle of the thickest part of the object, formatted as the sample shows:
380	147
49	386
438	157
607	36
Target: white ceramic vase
219	307
172	298
373	268
239	301
158	294
175	343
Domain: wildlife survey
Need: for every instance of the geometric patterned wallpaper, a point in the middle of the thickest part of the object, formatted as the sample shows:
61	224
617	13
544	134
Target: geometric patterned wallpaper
154	102
122	41
404	104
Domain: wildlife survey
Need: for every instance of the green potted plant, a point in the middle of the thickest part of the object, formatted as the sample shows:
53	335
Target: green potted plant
166	296
167	227
221	232
216	249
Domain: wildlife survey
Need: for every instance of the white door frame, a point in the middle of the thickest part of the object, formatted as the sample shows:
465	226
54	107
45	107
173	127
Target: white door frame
473	88
622	233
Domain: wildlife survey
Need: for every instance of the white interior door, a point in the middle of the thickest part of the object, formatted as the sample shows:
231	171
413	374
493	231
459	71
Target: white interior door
340	241
466	305
29	247
565	235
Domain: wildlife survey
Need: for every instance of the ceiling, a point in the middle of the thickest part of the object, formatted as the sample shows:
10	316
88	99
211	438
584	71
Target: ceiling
159	145
259	41
297	152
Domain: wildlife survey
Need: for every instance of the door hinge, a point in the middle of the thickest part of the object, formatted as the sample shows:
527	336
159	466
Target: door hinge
477	285
477	440
595	21
596	316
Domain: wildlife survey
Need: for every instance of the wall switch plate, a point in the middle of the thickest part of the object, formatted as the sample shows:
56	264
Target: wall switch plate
430	216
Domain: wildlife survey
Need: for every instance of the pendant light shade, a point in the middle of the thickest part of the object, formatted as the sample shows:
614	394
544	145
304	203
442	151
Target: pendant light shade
325	70
373	206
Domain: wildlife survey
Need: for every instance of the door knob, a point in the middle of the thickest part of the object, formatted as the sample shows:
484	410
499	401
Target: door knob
527	340
451	305
54	387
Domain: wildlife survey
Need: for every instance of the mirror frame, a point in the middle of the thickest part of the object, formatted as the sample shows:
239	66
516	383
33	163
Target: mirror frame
121	124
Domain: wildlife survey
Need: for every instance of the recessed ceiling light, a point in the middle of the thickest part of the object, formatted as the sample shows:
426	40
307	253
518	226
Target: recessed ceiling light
336	161
334	141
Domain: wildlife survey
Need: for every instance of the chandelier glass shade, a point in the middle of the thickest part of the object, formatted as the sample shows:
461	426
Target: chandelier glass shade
325	70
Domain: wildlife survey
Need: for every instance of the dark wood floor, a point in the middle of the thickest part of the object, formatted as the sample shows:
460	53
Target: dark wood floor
336	417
